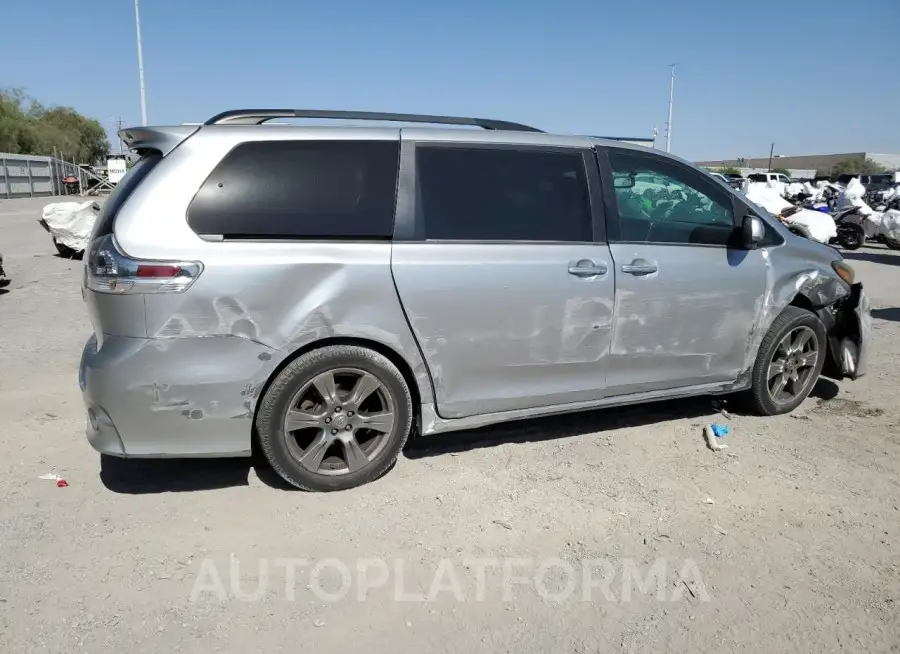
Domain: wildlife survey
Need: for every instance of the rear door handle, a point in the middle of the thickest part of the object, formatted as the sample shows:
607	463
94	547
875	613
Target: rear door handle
640	267
586	268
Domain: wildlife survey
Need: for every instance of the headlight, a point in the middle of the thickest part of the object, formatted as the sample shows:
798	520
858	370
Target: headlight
844	271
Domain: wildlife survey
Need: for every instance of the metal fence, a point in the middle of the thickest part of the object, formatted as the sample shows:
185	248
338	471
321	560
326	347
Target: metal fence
27	176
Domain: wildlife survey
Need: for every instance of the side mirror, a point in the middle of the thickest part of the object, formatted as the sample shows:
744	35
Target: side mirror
752	232
623	180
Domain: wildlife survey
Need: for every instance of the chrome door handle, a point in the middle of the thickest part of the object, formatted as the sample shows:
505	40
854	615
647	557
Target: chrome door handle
586	268
640	267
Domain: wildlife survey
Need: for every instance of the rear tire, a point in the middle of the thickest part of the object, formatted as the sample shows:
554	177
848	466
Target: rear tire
788	363
335	418
892	243
851	236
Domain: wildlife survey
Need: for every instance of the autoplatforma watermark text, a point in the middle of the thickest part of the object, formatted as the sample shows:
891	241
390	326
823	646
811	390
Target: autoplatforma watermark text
462	580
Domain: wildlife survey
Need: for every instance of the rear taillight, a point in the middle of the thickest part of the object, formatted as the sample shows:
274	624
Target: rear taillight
107	270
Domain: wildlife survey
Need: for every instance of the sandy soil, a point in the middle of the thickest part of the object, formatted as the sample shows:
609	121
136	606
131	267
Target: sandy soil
788	540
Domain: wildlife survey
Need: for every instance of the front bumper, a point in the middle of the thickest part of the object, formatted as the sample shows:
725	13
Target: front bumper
182	397
849	326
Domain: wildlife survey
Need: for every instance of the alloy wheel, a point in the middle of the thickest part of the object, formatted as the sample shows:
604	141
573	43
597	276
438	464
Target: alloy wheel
338	422
793	364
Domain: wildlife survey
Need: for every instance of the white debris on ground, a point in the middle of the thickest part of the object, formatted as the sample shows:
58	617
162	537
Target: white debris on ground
70	223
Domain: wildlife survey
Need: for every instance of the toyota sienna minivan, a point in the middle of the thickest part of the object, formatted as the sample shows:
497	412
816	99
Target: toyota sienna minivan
331	290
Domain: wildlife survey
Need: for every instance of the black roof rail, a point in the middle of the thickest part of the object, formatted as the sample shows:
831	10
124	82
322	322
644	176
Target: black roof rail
259	116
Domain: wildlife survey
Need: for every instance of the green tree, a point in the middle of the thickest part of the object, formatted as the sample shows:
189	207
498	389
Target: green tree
730	170
857	165
27	127
783	171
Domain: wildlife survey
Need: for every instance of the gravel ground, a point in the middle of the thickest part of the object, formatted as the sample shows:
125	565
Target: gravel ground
788	540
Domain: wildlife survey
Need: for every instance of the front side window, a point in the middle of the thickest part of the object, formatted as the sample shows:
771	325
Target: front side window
484	194
660	201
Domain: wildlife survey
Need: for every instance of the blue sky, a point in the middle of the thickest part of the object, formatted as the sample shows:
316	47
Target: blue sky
812	76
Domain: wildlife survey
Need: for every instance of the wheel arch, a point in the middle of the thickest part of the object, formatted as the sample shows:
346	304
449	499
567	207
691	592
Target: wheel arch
388	352
832	366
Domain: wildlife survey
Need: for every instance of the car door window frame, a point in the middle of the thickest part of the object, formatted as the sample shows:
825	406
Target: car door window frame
697	180
409	224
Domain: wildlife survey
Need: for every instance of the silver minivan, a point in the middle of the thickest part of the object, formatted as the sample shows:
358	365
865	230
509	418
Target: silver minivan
331	290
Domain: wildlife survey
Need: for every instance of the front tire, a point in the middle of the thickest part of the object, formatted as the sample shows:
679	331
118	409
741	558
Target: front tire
335	418
788	363
892	243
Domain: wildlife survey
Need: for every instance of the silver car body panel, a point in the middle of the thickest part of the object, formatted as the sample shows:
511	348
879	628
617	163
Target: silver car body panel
488	332
687	324
255	304
504	326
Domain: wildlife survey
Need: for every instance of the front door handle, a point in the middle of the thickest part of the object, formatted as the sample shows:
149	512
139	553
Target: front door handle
586	268
640	267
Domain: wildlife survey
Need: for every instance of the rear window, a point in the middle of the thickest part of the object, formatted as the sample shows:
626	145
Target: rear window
107	216
300	190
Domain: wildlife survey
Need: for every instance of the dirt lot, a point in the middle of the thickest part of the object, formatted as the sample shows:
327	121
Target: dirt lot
788	540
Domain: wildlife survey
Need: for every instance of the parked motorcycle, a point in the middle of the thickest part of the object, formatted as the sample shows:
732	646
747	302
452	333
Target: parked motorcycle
850	235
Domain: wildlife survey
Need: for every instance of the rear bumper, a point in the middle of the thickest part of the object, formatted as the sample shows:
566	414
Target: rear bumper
185	397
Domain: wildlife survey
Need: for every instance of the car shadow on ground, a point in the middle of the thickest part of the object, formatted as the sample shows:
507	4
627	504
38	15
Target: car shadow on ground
590	422
150	476
891	314
565	426
873	256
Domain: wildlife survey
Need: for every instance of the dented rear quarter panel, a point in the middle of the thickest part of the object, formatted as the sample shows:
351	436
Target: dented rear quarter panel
254	305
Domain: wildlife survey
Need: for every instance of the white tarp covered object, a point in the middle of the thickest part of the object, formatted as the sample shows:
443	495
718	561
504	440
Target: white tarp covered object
885	224
874	223
891	193
795	188
890	224
852	196
767	196
820	226
70	223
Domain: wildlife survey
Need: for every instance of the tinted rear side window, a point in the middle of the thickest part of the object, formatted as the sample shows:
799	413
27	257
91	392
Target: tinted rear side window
486	194
107	216
300	190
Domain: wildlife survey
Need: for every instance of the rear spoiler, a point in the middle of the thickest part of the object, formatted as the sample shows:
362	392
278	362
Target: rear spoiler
158	139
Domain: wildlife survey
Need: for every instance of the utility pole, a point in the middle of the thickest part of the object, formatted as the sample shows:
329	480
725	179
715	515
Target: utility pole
119	134
671	102
771	152
137	24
